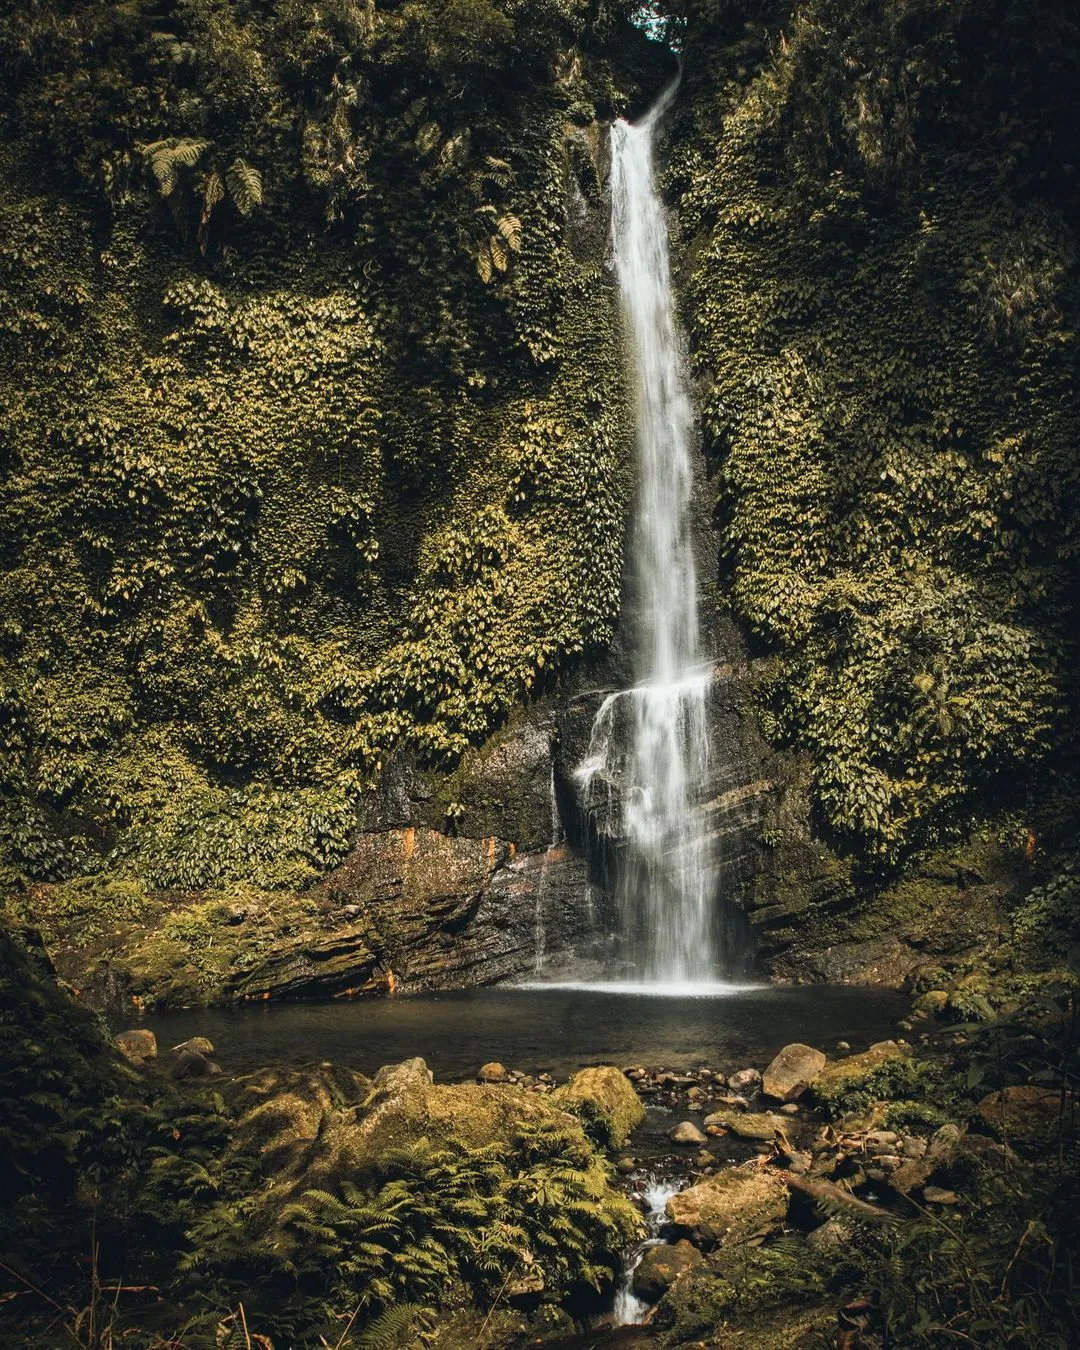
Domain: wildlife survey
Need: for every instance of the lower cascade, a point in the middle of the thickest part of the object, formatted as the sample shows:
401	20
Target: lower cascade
646	768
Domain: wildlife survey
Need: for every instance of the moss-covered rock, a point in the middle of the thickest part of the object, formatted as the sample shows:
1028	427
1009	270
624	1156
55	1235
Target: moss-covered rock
730	1206
606	1101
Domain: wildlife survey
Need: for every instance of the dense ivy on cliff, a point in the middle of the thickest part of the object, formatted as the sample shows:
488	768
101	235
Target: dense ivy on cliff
880	205
313	441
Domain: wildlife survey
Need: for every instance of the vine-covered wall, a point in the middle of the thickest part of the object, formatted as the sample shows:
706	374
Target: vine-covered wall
879	205
314	441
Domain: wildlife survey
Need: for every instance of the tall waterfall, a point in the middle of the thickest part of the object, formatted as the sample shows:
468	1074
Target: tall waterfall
648	756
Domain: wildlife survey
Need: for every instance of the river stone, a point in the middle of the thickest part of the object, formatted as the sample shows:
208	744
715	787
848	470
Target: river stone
494	1072
730	1206
660	1267
792	1072
197	1045
747	1125
603	1094
138	1045
686	1133
1028	1116
190	1064
744	1080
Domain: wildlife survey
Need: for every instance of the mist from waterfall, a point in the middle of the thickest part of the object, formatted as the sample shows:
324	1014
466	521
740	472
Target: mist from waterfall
666	878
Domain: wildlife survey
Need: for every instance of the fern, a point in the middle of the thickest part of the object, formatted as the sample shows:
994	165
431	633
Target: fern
166	158
245	186
396	1327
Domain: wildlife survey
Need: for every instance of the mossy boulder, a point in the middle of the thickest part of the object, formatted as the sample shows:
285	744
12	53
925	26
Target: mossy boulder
604	1098
661	1266
841	1079
730	1206
314	1126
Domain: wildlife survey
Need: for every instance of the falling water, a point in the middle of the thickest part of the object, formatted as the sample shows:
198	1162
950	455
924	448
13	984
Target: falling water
629	1310
665	889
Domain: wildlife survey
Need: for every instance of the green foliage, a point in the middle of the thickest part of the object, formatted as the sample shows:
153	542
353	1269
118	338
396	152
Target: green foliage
882	301
287	485
916	1090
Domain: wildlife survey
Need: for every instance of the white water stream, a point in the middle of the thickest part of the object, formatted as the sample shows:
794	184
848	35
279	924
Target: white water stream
628	1309
649	792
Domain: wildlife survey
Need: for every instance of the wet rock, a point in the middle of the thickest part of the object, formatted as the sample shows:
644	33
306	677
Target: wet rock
624	1166
792	1072
843	1046
198	1045
686	1133
660	1267
746	1080
1028	1116
703	1158
937	1195
138	1045
494	1072
730	1206
605	1095
746	1125
190	1064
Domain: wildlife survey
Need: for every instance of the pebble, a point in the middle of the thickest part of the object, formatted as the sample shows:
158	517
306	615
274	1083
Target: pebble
790	1109
937	1195
843	1045
800	1162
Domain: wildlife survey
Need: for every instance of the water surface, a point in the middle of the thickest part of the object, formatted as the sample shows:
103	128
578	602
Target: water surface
538	1029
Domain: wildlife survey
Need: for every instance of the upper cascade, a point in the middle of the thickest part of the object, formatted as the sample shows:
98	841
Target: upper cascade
653	775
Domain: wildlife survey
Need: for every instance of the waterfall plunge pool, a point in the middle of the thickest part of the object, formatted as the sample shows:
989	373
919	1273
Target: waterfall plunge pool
537	1029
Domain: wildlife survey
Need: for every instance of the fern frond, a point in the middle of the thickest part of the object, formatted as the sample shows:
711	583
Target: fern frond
245	185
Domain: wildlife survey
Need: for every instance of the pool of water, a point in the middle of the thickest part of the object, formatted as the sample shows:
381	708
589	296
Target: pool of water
541	1028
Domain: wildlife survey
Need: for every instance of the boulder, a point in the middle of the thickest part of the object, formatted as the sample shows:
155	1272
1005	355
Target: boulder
197	1045
138	1045
1027	1116
603	1095
660	1267
191	1064
747	1125
309	1127
792	1072
494	1072
841	1075
730	1206
686	1133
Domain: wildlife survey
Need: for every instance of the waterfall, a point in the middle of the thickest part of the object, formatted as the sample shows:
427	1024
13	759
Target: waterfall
648	781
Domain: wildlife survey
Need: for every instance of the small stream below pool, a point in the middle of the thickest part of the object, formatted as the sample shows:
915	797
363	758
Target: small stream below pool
538	1029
